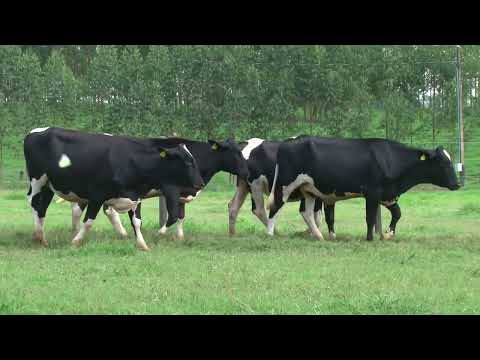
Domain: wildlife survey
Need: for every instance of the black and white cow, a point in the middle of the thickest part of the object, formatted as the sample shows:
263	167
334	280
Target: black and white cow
336	169
212	157
97	169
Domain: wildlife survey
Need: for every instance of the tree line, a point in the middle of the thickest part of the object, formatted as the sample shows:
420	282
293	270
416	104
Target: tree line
240	91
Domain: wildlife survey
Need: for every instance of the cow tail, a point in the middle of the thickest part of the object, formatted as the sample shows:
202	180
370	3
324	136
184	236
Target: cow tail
271	197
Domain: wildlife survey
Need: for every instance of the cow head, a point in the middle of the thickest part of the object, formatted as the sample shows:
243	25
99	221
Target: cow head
183	169
440	168
232	160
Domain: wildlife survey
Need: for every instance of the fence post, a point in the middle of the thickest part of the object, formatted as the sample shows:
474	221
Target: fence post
378	221
461	143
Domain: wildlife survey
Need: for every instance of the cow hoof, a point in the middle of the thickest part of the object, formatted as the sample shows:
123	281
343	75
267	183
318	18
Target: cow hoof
388	235
179	238
162	231
76	243
332	236
123	234
143	248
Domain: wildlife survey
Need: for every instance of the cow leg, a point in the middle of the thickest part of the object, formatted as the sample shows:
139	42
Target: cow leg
330	220
371	210
309	217
77	211
258	205
317	211
235	204
172	196
274	209
162	215
34	197
93	208
396	215
114	218
181	219
136	221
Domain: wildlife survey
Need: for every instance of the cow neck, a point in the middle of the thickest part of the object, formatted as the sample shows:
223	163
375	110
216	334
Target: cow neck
414	176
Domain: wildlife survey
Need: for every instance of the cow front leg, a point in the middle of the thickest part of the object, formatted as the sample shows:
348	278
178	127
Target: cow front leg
309	216
396	215
93	208
235	204
114	218
181	219
371	212
34	197
330	220
162	215
77	211
136	221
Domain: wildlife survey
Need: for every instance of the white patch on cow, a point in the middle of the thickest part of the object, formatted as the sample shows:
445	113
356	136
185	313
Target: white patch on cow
447	154
122	205
189	198
114	218
188	151
271	224
36	186
107	134
303	180
64	161
37	130
84	228
153	193
252	144
71	196
388	203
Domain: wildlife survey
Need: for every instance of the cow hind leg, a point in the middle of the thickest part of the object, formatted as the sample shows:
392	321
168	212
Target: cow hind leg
93	208
396	215
77	211
114	218
235	204
309	216
258	206
35	197
136	221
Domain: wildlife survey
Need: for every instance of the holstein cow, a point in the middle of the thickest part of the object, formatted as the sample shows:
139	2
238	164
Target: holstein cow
212	157
97	169
261	156
337	169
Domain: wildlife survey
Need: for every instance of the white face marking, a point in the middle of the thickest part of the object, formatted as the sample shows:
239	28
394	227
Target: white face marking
64	161
37	130
189	153
252	144
447	154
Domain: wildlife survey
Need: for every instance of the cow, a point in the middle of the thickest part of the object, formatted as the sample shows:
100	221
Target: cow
98	169
333	169
261	156
212	156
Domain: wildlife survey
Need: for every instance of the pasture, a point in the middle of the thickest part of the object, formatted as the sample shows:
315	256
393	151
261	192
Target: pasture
431	267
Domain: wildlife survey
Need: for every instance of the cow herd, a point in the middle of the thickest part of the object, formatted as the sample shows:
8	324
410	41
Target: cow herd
115	173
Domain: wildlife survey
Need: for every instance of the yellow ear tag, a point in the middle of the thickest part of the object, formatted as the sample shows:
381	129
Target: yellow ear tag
423	157
163	154
214	146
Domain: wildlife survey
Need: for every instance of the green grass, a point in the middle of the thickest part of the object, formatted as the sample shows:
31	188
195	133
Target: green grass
432	266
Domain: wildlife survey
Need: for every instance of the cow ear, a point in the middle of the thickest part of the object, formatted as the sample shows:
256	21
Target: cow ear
215	145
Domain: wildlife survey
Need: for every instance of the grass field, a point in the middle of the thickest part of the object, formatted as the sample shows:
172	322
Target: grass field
431	267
